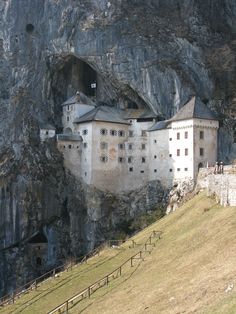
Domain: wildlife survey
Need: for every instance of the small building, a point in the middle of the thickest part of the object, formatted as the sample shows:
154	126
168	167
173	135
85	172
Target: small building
124	149
38	248
47	131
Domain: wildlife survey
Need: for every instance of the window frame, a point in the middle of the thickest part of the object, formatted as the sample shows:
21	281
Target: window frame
103	132
201	135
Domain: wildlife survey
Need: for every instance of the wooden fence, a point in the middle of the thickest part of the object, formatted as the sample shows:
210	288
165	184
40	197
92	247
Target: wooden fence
87	292
33	284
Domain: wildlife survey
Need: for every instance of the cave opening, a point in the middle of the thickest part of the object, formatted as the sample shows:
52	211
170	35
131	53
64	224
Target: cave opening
70	75
29	28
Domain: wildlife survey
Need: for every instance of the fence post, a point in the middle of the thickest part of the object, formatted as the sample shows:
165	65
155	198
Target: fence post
107	280
35	284
120	270
131	262
89	292
13	297
67	306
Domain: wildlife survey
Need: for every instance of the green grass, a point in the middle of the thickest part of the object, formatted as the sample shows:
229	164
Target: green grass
187	272
54	291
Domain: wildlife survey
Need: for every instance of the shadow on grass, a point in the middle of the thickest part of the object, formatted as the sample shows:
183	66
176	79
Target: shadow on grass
63	282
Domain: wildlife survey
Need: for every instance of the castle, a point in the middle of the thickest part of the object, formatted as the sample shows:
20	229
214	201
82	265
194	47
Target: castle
124	149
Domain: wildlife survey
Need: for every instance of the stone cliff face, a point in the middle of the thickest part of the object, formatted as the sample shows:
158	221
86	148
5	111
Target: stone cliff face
149	52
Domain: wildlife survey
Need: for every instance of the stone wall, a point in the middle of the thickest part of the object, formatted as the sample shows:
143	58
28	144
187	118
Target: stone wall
222	186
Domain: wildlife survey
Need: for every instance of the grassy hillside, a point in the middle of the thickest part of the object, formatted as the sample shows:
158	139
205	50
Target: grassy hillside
188	271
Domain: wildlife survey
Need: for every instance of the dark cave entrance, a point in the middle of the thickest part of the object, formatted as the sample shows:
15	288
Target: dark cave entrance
67	75
71	74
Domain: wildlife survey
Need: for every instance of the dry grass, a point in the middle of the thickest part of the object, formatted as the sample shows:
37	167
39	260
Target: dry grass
187	272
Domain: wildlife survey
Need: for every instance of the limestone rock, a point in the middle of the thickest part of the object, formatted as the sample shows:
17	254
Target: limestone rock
151	53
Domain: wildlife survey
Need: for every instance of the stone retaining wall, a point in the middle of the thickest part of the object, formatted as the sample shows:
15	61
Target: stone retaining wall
222	186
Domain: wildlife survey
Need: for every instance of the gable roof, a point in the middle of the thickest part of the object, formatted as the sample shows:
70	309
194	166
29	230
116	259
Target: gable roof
79	98
102	113
160	125
194	108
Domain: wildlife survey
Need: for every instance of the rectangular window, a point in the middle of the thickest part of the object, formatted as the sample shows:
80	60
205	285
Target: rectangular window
130	146
178	152
143	160
143	146
178	136
178	169
121	146
131	169
155	141
121	133
186	152
130	159
104	145
170	170
142	171
68	118
185	169
121	159
131	133
102	132
201	151
170	155
144	133
104	159
155	170
113	132
170	139
201	135
70	146
85	145
85	132
186	134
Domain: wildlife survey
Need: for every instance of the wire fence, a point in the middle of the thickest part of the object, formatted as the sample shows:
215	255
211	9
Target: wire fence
87	292
33	284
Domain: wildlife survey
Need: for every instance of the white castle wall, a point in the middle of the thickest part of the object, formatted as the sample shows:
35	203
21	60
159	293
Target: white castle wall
160	162
128	162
